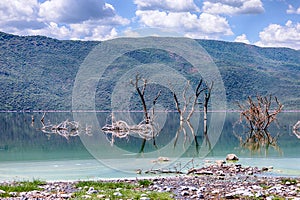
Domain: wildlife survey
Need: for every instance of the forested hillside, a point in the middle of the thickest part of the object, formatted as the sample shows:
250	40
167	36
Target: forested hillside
38	73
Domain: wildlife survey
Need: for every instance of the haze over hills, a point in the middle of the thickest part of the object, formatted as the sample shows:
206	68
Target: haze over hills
38	73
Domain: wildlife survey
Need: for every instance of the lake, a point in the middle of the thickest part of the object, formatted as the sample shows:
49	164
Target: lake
73	146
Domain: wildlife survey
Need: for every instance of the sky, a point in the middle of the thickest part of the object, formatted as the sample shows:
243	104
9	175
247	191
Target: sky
266	23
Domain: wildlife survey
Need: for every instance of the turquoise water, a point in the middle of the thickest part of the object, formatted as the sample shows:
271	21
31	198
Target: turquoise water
28	152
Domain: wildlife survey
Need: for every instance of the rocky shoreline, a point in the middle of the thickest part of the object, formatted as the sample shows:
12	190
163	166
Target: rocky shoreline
219	180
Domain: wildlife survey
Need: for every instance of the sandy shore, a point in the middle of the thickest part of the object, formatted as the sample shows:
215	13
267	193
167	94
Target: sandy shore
216	181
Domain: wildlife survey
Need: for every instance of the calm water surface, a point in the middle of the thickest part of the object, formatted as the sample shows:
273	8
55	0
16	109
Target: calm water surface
32	149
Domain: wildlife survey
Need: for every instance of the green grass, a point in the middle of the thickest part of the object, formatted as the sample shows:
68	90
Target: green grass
24	186
128	191
145	182
291	181
265	186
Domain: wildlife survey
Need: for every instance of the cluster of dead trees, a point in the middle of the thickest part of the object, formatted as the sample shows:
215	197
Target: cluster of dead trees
147	129
259	113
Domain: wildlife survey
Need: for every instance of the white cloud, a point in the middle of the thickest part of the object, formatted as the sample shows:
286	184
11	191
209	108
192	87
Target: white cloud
170	5
18	10
231	7
292	10
66	11
276	35
204	26
131	33
242	38
62	19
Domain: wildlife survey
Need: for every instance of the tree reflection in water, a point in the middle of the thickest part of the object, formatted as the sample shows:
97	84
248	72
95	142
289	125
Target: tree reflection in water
65	128
258	141
296	129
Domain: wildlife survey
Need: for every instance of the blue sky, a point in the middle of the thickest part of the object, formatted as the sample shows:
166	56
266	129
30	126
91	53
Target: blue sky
261	22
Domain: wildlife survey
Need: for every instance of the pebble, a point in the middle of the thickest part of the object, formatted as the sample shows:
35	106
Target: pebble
86	196
144	198
101	196
118	194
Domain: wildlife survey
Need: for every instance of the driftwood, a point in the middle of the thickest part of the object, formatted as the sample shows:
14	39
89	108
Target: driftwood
178	168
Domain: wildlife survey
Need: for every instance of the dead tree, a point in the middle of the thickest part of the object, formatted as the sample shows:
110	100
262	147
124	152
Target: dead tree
141	94
258	114
207	94
193	100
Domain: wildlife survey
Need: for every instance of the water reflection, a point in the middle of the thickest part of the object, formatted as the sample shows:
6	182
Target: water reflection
257	141
185	134
65	128
121	129
296	130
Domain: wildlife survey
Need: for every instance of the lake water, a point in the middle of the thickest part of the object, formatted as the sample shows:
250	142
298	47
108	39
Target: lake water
81	150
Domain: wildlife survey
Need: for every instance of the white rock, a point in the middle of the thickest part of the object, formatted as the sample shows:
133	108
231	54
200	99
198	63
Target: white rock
193	189
184	188
144	198
220	162
66	196
14	194
259	194
204	172
22	194
118	194
91	191
101	196
185	193
232	157
2	192
86	196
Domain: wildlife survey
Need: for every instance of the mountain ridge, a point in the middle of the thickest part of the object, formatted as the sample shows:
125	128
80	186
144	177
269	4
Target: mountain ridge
38	73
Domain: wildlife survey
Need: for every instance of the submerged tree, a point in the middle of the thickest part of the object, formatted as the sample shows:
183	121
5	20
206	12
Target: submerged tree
147	129
258	114
207	95
141	94
191	102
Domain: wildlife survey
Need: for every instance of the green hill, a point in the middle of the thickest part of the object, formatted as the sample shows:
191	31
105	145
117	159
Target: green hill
38	73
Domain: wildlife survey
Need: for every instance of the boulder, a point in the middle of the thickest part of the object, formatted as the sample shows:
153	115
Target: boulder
232	157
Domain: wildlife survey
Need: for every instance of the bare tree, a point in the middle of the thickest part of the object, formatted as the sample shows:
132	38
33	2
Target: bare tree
190	101
258	114
141	94
207	94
